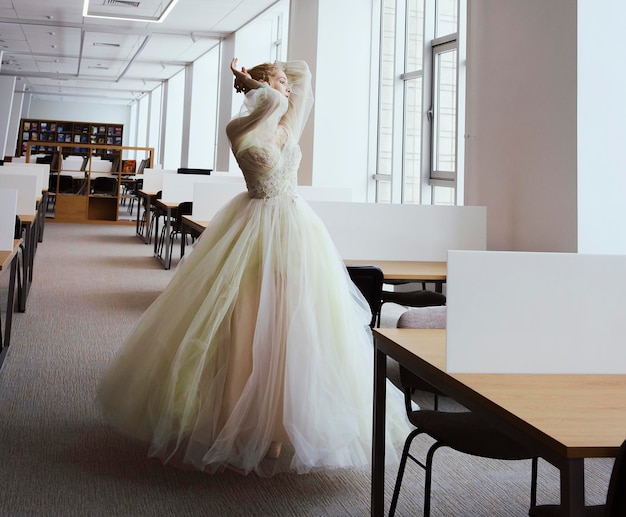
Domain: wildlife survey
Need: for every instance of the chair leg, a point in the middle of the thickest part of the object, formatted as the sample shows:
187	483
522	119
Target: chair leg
533	482
401	467
429	476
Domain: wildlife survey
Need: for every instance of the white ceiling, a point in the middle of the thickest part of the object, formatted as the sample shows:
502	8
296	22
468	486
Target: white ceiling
58	54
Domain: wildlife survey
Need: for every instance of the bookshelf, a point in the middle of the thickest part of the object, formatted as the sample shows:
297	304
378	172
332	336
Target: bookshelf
43	136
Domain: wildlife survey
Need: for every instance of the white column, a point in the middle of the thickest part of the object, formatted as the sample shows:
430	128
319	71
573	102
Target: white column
7	87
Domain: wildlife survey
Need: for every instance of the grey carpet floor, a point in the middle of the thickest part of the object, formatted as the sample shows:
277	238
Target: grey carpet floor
59	458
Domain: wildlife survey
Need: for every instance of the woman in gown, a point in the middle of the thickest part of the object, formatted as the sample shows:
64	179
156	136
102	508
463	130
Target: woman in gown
260	339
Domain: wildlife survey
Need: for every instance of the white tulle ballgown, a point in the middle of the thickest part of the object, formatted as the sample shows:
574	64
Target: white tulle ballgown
260	337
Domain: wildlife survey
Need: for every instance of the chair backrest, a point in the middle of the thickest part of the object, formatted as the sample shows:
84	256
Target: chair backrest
184	208
369	280
105	185
616	495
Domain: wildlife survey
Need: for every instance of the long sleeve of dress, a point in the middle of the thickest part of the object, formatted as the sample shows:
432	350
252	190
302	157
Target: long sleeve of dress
264	108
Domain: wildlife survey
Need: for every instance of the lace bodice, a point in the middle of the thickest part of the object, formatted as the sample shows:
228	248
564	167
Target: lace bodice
264	137
270	171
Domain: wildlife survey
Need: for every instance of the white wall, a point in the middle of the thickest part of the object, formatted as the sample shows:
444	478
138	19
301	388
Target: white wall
521	122
601	127
82	112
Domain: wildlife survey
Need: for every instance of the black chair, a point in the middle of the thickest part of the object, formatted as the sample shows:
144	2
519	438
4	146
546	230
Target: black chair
369	280
104	186
184	208
58	184
615	505
415	298
463	431
187	170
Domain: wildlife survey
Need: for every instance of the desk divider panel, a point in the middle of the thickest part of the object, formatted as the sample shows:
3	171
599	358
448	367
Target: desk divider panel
522	312
8	210
379	231
179	187
42	170
210	198
315	193
153	179
26	186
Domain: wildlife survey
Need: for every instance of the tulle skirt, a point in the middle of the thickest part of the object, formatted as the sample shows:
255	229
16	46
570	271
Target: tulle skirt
259	337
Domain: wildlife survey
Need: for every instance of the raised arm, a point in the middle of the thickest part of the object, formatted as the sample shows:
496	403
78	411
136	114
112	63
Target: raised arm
301	97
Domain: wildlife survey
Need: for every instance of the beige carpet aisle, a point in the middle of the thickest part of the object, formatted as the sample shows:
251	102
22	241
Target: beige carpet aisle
58	457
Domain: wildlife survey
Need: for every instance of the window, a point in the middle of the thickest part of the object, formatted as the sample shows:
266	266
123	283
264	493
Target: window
416	158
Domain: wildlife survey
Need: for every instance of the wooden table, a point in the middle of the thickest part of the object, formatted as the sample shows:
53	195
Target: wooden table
163	254
192	227
8	260
407	270
142	226
564	418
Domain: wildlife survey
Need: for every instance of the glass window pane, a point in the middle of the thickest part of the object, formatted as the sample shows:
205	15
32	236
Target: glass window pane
445	112
412	140
385	101
446	18
414	35
443	196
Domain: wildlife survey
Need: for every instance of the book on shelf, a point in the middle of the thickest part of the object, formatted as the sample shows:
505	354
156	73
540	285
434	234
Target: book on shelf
128	166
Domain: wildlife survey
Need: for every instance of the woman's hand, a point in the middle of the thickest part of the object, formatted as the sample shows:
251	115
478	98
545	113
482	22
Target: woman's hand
243	80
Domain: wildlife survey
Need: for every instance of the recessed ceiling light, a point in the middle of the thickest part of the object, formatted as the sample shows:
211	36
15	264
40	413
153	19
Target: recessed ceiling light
151	19
105	44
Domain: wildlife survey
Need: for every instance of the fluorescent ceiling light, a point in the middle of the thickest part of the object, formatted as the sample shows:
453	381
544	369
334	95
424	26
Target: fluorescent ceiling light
88	13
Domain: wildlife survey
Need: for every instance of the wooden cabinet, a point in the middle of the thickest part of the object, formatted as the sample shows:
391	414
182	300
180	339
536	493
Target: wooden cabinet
96	188
42	135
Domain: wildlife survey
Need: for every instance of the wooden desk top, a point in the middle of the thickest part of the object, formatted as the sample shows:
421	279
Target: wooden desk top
199	226
406	269
576	415
27	220
7	256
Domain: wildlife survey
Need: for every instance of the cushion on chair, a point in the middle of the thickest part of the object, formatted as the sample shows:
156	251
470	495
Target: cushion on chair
423	318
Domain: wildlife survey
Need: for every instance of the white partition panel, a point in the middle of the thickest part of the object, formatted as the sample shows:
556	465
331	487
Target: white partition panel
314	193
153	179
8	210
40	169
209	198
377	231
514	312
179	187
26	186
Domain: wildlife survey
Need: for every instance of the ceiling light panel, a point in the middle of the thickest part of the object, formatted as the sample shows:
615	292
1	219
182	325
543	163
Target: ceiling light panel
140	11
99	67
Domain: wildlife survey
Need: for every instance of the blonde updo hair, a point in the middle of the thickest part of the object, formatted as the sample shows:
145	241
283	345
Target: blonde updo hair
264	71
